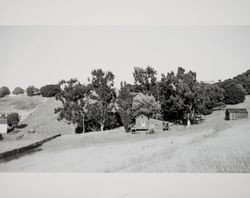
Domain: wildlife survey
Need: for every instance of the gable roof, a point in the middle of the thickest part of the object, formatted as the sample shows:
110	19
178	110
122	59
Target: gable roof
142	114
237	110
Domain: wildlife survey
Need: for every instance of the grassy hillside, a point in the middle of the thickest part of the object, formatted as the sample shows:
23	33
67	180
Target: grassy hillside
44	120
38	113
22	104
215	145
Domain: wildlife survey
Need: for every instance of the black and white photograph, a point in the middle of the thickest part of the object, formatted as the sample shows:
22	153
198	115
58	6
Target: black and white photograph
124	98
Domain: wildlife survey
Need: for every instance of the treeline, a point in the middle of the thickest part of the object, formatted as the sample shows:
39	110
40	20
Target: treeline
236	89
176	97
46	91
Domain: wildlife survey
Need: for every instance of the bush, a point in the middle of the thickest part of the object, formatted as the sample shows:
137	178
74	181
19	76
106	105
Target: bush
151	131
4	91
17	91
49	90
32	91
13	119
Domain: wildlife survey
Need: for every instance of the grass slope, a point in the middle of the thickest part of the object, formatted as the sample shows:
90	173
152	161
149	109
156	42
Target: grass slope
44	120
38	113
22	104
215	145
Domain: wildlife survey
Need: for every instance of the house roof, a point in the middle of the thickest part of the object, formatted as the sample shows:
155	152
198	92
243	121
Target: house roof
141	114
237	110
147	117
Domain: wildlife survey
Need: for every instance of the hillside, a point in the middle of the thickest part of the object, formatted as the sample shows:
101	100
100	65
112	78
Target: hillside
44	120
22	104
37	113
215	145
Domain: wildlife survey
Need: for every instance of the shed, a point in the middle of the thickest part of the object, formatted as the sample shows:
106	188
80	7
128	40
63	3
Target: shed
236	113
143	122
3	125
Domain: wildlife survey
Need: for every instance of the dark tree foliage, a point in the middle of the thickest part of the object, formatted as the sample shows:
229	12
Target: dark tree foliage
181	96
17	91
244	80
213	97
49	90
4	91
102	84
92	118
146	81
32	91
13	119
234	92
74	98
125	101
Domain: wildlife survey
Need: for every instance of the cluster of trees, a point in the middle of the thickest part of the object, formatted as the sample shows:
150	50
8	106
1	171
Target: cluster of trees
176	97
236	89
46	91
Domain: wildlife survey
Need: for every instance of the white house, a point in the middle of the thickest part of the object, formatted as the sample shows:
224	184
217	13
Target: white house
3	124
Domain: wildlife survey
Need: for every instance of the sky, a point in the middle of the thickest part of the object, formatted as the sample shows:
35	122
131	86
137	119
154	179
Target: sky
40	55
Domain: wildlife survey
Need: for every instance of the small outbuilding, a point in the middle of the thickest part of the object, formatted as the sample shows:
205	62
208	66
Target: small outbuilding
143	122
236	113
3	124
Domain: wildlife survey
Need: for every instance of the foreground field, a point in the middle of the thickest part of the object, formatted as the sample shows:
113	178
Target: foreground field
190	150
215	145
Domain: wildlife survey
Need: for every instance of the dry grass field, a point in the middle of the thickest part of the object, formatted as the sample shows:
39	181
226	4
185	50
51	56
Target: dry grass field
215	145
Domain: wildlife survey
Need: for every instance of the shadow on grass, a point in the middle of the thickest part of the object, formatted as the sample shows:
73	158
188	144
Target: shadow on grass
19	155
21	126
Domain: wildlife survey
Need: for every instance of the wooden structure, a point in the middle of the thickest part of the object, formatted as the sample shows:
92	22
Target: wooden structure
143	122
3	124
236	113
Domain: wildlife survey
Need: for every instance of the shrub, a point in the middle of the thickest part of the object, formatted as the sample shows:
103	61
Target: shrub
32	91
13	119
4	91
17	91
49	90
151	131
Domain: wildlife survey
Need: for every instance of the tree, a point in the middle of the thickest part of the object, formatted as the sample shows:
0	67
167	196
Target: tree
103	94
13	119
4	91
244	80
234	92
181	96
213	97
32	91
17	91
125	101
74	98
49	90
144	104
146	81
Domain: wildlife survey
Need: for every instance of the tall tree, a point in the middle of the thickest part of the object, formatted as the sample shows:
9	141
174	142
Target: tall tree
104	95
146	81
180	96
124	101
74	98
